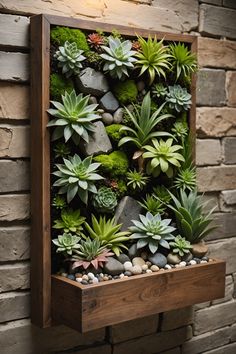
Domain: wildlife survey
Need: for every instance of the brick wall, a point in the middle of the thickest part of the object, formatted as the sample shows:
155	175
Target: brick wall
209	328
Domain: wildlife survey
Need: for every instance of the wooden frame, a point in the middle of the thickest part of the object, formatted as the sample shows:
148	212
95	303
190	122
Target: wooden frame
91	301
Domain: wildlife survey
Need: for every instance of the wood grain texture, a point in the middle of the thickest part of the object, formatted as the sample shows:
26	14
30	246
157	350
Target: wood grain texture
89	307
14	31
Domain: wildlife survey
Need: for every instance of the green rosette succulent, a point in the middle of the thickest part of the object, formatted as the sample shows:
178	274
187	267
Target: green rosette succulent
69	58
59	202
136	180
105	200
153	205
178	98
71	221
180	246
180	130
159	90
186	179
67	243
182	60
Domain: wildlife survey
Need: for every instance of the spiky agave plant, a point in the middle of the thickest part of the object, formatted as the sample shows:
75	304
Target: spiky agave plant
74	117
67	243
77	176
186	179
180	246
118	57
163	157
162	193
107	231
178	98
153	205
136	180
153	57
69	58
152	231
182	60
71	221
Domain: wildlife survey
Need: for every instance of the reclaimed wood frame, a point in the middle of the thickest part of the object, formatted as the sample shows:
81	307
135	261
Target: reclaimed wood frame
55	298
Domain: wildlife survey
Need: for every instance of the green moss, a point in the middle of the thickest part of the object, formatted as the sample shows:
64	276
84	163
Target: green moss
126	92
114	132
115	164
122	188
58	86
59	35
94	59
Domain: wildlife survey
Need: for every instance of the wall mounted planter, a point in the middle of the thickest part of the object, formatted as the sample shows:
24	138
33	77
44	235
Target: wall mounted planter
58	299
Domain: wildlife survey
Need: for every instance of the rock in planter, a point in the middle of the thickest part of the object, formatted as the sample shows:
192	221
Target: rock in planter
138	261
133	251
113	267
128	209
107	118
199	249
92	82
99	141
109	103
173	258
118	116
122	258
158	259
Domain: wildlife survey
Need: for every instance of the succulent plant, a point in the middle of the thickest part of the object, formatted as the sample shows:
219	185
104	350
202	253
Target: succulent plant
153	57
152	231
90	253
162	193
96	40
191	222
186	179
136	180
74	117
67	243
180	129
178	98
71	221
69	58
59	202
108	233
77	176
105	200
159	90
153	205
61	150
180	246
118	57
163	157
183	61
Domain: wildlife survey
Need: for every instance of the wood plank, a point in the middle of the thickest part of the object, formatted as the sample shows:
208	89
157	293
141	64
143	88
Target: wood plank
14	31
118	301
14	101
14	67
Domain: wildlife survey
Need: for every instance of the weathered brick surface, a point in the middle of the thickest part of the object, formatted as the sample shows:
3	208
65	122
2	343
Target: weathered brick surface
177	318
231	88
14	30
229	3
229	150
14	101
225	249
228	200
14	277
133	329
14	67
203	305
226	226
216	178
233	333
14	141
172	351
227	349
214	317
14	176
229	290
211	87
207	341
98	349
212	2
14	243
14	207
217	21
155	343
208	152
216	53
14	305
211	201
216	122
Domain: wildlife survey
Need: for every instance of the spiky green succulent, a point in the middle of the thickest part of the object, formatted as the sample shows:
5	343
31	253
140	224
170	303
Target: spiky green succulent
153	205
61	150
162	193
159	90
74	117
77	177
105	200
153	57
90	253
59	202
182	60
107	231
180	246
163	156
136	180
186	179
69	58
152	231
118	57
178	98
67	243
71	221
180	129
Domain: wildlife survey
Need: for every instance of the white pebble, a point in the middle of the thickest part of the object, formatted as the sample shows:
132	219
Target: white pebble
167	266
95	280
85	277
144	267
193	262
91	276
203	261
138	261
148	264
79	280
155	268
136	270
182	264
128	265
101	275
148	271
122	275
64	274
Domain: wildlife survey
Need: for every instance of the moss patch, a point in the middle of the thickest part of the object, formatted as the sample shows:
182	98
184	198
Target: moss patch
115	164
126	92
59	35
58	86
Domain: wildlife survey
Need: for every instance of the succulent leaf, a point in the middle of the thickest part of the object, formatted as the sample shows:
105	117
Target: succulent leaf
178	98
67	243
105	200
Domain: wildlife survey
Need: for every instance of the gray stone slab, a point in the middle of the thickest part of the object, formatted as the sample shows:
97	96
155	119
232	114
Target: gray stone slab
92	82
128	209
211	88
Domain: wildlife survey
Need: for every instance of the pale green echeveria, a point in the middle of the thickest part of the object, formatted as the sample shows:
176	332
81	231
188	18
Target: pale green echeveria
69	58
152	231
77	177
178	98
118	57
180	246
105	200
74	117
71	221
67	243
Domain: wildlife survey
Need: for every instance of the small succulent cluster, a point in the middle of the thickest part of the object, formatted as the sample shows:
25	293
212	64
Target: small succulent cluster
105	201
178	98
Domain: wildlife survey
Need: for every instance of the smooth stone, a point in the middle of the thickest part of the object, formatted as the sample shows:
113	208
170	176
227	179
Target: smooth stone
71	277
91	275
85	277
79	280
92	82
182	264
118	116
78	275
203	261
122	258
90	281
197	260
138	261
128	209
130	107
187	257
192	262
122	275
107	118
100	110
154	268
133	251
128	265
167	266
93	100
148	264
135	270
105	278
199	249
148	271
99	141
158	259
110	277
173	258
127	273
84	282
140	85
109	103
144	255
95	280
144	267
113	266
64	274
